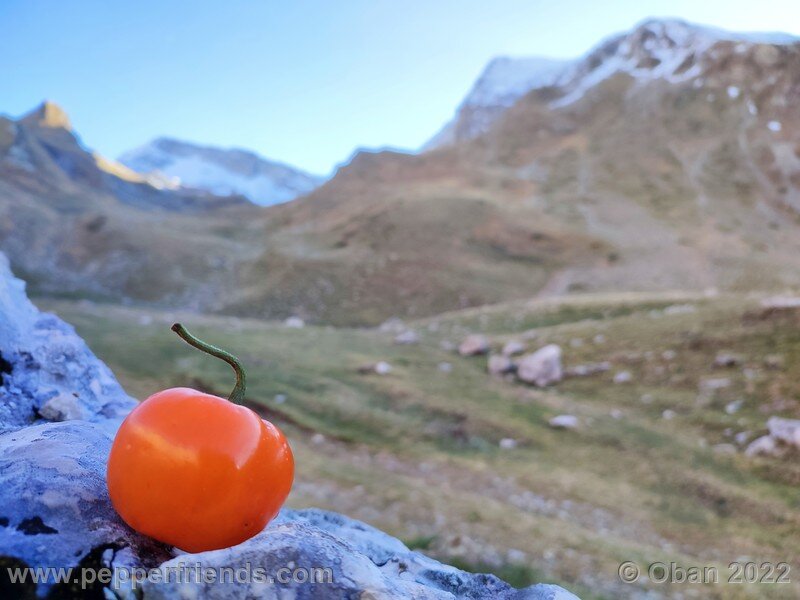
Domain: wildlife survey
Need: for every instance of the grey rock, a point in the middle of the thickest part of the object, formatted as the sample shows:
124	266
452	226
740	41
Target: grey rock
564	422
55	500
499	364
46	371
513	347
474	345
541	368
364	563
407	338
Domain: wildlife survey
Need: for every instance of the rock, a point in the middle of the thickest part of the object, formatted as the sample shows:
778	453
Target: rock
742	437
393	325
46	371
541	368
294	323
407	338
623	377
280	398
500	365
765	446
445	367
513	347
712	385
668	415
786	431
564	422
588	369
56	502
725	360
363	562
733	407
382	368
775	362
508	443
379	368
599	339
669	355
474	345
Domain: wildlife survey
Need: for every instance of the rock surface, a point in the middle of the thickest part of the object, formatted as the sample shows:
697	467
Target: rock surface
55	502
541	368
363	561
47	373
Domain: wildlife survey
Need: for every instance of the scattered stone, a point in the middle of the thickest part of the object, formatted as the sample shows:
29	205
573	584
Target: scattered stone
280	398
508	443
541	368
407	338
474	345
499	364
646	399
379	368
742	437
765	446
775	362
588	369
445	367
712	385
513	347
383	368
785	430
623	377
564	422
393	325
616	414
599	339
725	360
317	439
668	415
669	355
733	407
294	323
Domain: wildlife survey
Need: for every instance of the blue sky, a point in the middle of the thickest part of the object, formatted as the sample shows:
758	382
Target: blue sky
304	82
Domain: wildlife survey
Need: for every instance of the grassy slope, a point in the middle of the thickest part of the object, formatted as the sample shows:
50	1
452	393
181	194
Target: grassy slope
416	452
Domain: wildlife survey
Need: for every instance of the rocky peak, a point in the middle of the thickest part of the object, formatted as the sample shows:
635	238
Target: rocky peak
48	114
657	49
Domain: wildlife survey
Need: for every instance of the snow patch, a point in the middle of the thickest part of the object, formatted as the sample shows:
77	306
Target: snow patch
774	126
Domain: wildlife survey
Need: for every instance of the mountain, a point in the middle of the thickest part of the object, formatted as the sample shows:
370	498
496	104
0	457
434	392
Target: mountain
667	158
220	171
504	81
75	223
655	49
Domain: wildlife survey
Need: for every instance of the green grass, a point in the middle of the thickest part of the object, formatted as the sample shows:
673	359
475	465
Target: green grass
416	452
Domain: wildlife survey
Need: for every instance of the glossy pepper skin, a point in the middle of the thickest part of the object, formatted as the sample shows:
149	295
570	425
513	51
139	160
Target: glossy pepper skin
198	471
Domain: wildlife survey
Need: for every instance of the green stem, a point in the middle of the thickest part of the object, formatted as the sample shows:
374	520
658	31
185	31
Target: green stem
237	395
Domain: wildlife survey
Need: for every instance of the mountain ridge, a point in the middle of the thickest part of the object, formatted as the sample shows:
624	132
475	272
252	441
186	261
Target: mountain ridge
221	171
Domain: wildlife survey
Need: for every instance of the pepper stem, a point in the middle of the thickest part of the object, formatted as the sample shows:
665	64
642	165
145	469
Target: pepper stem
237	395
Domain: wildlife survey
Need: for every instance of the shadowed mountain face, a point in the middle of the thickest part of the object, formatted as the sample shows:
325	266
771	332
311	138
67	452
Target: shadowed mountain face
668	157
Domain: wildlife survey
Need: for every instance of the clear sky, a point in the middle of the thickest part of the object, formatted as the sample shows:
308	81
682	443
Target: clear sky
305	82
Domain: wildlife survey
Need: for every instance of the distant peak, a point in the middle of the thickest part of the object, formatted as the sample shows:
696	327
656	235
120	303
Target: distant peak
48	114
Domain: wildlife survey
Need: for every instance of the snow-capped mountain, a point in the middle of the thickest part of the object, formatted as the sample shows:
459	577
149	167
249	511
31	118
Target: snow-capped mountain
669	49
221	171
